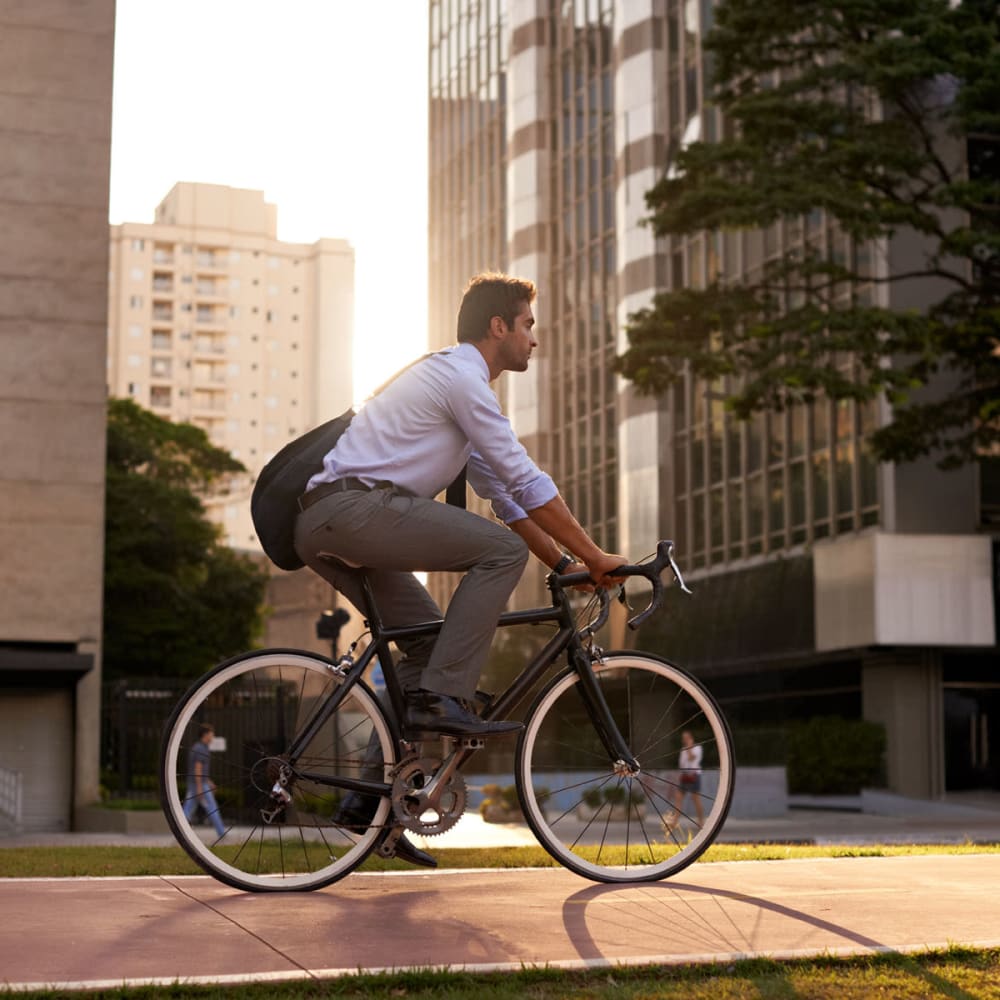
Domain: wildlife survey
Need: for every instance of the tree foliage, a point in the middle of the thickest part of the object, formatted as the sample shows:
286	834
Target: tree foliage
176	600
884	115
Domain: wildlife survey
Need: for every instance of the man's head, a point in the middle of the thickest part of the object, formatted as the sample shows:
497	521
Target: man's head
206	732
496	316
490	295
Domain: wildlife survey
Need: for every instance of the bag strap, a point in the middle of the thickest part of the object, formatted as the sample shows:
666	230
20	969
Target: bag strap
402	371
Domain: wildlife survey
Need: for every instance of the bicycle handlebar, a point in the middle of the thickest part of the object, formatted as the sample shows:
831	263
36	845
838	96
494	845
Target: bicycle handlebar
651	570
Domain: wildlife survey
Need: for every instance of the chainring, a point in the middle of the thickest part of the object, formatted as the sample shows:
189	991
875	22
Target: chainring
409	781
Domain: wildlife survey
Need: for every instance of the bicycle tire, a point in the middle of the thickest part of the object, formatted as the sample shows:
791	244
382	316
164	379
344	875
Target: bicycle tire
610	827
256	702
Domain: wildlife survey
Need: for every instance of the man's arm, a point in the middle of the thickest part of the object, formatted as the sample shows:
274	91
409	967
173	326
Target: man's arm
556	521
541	543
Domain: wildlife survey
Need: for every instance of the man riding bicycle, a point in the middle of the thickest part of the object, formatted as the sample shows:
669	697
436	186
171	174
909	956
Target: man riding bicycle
372	505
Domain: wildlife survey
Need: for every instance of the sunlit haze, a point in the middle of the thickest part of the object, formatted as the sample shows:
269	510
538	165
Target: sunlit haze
321	104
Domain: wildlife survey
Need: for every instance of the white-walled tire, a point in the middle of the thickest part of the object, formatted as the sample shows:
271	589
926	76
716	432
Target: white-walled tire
615	827
257	703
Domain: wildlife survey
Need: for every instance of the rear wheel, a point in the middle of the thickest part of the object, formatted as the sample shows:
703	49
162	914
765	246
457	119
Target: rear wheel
272	824
599	819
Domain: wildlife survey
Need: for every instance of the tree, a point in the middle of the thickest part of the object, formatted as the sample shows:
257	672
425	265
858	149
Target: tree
176	600
885	116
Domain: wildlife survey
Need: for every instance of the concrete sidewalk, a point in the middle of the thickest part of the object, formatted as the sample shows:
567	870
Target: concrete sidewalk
106	933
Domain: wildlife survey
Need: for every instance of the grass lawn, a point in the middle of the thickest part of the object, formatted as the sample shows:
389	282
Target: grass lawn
958	973
62	862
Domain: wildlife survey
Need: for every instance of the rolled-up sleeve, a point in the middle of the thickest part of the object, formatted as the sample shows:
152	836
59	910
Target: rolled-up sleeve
500	469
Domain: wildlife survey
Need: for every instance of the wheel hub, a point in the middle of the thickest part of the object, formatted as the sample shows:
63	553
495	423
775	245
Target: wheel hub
622	770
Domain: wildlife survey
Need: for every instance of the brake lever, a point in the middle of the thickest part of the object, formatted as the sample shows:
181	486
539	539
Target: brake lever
675	569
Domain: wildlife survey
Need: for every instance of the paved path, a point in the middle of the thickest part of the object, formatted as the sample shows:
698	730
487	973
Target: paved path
71	933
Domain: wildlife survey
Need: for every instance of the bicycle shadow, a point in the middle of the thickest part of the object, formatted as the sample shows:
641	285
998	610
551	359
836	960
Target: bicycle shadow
670	908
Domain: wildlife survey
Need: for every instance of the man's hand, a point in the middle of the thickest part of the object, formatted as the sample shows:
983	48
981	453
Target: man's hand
601	567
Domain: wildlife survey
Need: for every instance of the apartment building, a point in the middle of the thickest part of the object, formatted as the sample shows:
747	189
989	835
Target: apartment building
55	133
215	321
825	583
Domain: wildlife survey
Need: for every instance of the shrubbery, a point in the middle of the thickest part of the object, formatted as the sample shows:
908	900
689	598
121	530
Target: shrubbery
833	756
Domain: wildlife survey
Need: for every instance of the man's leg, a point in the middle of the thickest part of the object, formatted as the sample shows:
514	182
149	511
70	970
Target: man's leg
389	533
211	806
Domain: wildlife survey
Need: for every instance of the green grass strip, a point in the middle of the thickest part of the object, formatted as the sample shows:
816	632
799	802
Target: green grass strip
64	862
956	973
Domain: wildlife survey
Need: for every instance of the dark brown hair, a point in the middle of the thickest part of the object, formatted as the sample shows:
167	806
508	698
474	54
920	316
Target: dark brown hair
491	294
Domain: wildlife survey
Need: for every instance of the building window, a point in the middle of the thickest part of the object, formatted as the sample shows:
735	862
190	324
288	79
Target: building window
159	396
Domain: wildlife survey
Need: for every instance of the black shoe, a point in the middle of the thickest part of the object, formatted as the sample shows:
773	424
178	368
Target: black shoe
355	814
407	851
427	711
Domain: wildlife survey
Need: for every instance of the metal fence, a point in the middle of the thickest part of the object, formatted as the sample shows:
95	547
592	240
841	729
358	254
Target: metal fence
133	715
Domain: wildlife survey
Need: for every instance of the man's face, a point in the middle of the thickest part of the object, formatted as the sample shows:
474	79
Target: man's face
519	341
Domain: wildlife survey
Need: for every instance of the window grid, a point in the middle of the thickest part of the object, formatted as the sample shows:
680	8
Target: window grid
582	184
779	480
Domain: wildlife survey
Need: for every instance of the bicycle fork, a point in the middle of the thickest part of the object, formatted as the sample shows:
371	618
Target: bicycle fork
623	762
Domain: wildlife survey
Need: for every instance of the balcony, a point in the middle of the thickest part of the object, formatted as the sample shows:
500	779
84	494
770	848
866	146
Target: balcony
211	261
209	345
210	316
211	375
208	403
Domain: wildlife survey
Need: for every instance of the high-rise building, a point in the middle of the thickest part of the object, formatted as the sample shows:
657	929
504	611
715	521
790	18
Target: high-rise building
55	136
215	321
827	584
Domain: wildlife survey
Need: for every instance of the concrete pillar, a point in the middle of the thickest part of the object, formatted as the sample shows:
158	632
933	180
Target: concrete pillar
901	689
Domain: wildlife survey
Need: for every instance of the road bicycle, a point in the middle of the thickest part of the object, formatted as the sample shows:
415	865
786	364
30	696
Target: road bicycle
596	767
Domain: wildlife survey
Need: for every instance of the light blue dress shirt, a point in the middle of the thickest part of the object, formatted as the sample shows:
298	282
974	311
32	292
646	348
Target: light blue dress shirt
427	424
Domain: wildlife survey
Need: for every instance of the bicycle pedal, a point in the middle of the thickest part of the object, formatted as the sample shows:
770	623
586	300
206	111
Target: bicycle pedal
387	848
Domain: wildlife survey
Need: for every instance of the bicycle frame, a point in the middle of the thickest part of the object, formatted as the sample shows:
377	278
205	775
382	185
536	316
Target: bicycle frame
567	638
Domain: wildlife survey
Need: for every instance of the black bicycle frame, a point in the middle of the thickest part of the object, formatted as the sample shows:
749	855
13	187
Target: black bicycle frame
566	638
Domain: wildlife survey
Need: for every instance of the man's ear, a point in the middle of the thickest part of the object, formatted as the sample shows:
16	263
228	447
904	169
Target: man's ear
497	327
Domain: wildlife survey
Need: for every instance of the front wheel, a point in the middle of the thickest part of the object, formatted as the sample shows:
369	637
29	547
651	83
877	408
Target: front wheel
264	821
596	817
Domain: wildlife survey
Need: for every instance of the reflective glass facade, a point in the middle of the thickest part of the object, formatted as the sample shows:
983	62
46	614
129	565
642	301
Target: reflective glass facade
584	457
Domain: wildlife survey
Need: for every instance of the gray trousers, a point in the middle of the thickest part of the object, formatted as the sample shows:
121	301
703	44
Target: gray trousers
394	535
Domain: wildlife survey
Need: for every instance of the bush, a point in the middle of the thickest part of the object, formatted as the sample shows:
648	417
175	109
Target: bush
502	804
833	756
760	746
614	795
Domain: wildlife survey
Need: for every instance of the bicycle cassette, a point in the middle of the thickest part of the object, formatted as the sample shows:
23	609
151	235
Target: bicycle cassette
414	808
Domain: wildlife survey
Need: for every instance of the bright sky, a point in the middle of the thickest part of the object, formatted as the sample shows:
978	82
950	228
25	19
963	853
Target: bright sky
321	104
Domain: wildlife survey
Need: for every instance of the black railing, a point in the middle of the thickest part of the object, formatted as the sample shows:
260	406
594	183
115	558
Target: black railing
133	714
